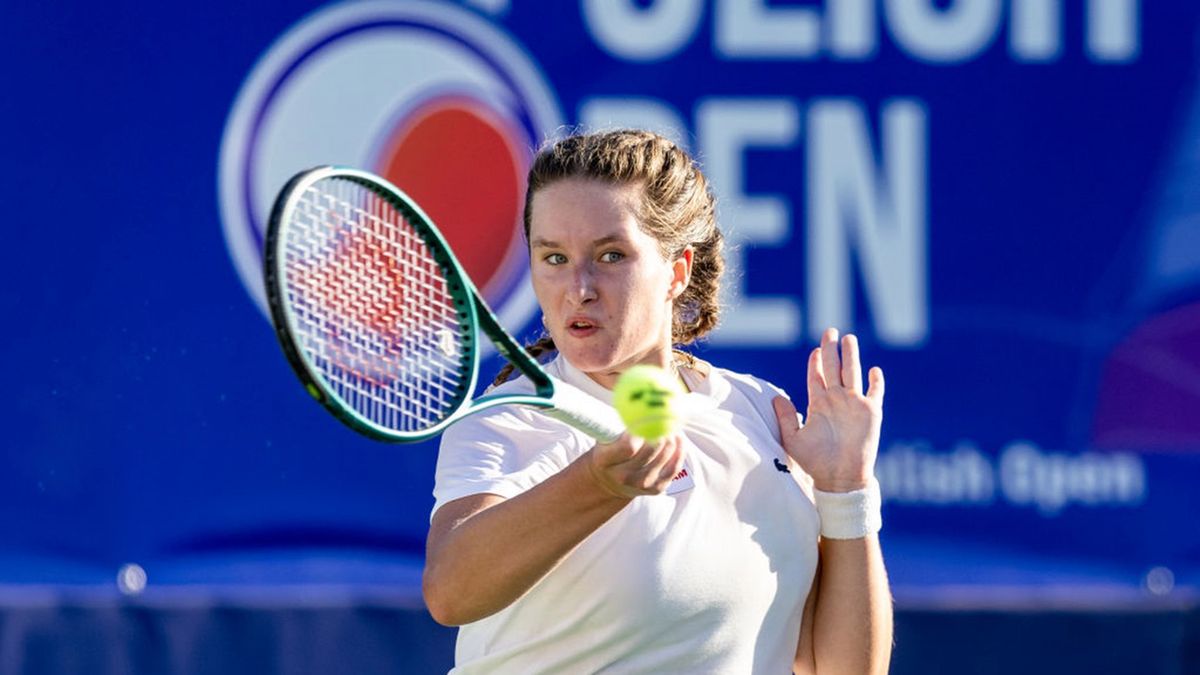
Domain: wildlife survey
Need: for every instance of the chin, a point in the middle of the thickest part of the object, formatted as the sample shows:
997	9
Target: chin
589	359
603	362
590	363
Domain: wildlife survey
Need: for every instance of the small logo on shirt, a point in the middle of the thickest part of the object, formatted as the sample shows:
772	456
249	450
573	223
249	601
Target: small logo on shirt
780	466
682	481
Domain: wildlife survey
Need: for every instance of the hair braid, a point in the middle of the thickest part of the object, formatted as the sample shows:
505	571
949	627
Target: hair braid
543	345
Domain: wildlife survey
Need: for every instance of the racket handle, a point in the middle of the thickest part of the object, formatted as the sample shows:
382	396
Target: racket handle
585	413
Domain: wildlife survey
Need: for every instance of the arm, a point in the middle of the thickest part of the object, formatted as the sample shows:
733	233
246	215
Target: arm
852	632
847	621
485	551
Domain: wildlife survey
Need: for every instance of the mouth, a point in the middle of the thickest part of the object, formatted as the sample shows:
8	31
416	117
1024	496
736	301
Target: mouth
580	327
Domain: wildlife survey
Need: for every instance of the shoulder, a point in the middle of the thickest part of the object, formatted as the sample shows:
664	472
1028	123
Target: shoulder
503	450
742	393
504	424
750	385
510	436
760	394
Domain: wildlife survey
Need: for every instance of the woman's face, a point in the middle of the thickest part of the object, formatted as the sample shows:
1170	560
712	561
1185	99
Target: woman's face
604	288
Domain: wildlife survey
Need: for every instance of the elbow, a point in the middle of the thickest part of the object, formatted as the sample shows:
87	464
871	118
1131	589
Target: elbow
440	612
450	602
439	600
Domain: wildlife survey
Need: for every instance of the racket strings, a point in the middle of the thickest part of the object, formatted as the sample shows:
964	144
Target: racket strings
373	310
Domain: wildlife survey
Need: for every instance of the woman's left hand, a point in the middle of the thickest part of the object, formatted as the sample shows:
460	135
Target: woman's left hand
838	443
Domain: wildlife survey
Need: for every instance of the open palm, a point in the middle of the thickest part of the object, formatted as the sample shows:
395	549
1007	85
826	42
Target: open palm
838	444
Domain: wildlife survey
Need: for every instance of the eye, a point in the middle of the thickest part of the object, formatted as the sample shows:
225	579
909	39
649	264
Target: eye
612	256
555	259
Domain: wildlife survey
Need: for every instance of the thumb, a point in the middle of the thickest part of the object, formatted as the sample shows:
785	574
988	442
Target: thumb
620	450
786	415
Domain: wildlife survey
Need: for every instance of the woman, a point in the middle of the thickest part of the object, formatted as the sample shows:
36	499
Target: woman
745	543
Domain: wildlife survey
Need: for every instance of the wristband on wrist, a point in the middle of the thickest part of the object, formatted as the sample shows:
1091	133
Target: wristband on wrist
850	515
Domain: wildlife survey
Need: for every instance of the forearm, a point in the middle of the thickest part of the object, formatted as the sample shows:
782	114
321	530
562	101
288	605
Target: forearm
482	564
852	627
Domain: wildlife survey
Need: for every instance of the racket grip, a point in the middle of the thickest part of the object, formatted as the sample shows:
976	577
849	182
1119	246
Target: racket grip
585	413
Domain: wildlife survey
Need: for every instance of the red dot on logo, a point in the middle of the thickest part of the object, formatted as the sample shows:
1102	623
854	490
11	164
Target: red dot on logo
457	158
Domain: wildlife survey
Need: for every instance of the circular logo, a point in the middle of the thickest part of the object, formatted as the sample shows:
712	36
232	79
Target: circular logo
429	96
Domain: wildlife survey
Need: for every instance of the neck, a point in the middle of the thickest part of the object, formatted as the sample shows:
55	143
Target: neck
663	358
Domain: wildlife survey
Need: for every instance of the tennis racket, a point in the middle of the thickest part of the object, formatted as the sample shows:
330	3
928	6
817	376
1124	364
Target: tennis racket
380	321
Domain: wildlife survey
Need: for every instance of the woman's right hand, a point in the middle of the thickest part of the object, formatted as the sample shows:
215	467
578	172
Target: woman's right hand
631	466
472	568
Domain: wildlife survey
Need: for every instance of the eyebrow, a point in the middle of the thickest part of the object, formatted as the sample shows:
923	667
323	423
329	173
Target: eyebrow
548	243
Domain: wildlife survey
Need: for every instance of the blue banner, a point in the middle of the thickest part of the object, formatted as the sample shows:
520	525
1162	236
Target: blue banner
998	197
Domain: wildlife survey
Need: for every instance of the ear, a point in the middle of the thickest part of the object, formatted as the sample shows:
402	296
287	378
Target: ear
681	272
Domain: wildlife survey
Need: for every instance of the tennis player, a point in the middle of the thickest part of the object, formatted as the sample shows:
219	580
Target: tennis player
746	543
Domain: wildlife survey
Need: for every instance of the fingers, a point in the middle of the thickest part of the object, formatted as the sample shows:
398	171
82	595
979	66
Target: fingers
830	363
674	465
816	380
623	449
629	467
826	368
875	388
851	366
785	414
660	469
661	451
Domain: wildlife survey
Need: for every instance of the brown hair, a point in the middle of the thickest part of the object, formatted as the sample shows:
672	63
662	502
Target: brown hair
677	209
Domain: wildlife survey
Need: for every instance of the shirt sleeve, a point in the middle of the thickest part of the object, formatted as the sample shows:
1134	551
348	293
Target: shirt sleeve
504	451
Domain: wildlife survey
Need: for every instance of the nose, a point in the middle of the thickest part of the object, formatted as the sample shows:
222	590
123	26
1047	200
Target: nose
583	284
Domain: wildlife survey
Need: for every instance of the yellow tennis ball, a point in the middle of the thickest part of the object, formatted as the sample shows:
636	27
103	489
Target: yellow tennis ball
647	398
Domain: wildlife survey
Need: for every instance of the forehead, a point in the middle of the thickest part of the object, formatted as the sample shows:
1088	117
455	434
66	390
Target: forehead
585	207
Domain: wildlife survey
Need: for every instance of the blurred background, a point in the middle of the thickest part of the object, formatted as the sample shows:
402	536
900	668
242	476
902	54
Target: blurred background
1000	197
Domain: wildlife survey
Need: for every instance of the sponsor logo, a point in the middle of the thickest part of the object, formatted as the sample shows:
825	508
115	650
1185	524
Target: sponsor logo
430	96
681	482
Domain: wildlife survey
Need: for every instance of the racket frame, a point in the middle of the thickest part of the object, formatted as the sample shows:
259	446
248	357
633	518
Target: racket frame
553	396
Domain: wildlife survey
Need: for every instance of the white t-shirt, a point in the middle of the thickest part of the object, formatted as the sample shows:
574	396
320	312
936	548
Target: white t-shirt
709	578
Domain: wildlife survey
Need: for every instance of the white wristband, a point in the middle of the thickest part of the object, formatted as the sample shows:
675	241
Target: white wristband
850	515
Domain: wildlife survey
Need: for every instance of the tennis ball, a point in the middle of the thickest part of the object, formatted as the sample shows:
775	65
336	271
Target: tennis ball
647	398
